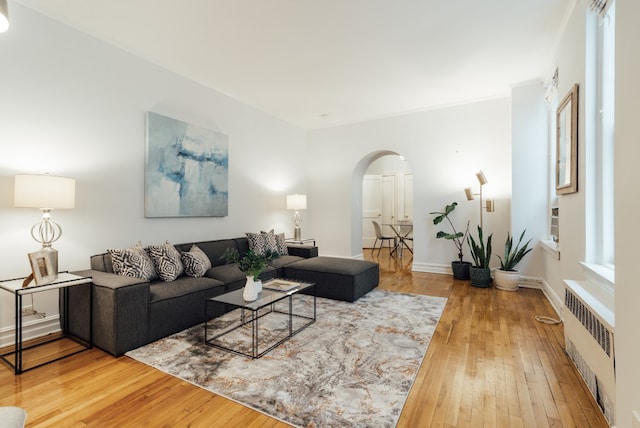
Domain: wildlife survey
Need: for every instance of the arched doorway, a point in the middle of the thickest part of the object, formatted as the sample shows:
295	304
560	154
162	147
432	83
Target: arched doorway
383	189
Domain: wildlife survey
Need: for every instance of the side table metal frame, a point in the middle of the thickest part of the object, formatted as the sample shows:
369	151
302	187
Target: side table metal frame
68	281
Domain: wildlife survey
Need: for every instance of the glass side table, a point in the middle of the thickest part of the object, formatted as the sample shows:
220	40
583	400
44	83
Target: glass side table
300	241
63	282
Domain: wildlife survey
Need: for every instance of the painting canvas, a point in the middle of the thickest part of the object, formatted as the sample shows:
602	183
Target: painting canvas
187	170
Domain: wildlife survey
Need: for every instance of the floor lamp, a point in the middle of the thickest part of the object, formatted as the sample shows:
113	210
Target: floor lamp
489	204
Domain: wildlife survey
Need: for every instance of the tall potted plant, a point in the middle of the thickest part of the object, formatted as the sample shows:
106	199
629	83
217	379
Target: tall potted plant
480	272
460	268
507	277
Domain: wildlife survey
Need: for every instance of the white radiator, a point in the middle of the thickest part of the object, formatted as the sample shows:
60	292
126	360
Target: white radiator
589	340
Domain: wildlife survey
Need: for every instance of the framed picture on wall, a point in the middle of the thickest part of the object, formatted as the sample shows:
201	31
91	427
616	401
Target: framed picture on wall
567	143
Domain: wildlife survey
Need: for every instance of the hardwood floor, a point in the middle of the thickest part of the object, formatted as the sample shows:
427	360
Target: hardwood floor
489	364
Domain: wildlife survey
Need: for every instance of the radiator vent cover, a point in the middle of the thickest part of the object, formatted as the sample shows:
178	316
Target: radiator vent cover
588	319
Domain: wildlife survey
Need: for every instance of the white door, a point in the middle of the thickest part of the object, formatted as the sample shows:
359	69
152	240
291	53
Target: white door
388	185
371	208
408	197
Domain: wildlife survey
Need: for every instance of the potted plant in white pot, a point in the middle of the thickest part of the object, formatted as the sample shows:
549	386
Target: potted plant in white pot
480	272
252	264
459	267
507	277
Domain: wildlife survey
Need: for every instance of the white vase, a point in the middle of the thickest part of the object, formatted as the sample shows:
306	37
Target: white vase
250	292
258	284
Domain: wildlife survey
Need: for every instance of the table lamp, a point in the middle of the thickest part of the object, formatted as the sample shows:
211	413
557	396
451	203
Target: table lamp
297	202
45	192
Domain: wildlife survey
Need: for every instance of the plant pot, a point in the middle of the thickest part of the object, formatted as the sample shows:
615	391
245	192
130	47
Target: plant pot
460	269
480	277
506	279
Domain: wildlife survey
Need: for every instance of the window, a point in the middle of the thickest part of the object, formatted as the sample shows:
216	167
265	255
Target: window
603	253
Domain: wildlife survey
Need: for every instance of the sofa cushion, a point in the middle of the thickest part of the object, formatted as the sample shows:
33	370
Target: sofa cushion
213	249
257	242
180	287
282	261
195	261
133	262
231	273
167	261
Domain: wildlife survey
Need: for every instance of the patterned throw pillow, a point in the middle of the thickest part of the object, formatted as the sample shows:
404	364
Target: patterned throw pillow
196	263
271	244
167	261
133	262
257	242
281	245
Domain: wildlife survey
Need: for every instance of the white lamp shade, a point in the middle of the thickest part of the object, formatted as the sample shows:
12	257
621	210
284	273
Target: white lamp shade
44	191
467	191
4	16
296	202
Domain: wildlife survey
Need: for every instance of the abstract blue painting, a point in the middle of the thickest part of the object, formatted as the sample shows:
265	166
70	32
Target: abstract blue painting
187	170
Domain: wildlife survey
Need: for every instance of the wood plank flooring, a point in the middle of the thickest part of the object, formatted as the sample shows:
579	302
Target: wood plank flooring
489	364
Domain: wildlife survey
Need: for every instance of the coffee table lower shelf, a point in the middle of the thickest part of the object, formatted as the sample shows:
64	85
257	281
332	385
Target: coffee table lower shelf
270	304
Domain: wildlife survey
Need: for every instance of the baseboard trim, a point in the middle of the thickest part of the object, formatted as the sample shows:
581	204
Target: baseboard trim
432	268
31	329
539	283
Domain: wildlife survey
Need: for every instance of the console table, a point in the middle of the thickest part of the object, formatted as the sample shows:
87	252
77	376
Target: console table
62	283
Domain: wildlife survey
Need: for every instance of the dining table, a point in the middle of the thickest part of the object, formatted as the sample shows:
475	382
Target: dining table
403	230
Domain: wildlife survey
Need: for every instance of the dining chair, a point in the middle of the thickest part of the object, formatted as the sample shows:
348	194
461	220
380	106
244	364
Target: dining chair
381	237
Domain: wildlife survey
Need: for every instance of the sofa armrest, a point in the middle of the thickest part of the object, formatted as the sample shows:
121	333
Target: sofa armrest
306	251
120	311
109	280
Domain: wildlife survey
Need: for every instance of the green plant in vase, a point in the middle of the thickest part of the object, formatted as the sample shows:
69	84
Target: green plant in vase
460	268
480	273
507	277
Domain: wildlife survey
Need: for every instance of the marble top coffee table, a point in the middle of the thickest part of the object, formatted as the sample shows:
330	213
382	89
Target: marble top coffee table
254	328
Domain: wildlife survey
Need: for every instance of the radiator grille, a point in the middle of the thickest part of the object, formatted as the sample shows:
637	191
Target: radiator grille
588	319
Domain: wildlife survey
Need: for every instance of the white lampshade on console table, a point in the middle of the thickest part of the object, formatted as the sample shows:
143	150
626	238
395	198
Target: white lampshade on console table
45	192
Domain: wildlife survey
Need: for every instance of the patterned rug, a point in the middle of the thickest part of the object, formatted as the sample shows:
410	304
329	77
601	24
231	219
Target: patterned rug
353	367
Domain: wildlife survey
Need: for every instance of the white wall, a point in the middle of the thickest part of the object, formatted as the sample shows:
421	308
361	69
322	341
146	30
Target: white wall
444	148
627	177
571	57
74	106
530	166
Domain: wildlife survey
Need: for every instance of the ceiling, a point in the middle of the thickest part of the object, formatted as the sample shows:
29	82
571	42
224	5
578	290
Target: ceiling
319	63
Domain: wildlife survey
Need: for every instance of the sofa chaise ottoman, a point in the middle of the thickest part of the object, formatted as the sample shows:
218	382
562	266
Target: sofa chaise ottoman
336	278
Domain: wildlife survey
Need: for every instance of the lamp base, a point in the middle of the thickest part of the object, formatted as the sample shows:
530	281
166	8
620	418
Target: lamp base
297	234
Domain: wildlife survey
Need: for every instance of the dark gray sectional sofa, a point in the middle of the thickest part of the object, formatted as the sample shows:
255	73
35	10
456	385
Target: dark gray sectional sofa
129	312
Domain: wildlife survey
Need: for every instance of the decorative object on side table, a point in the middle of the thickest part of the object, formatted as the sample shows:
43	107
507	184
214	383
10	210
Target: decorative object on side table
507	277
480	273
45	192
460	268
252	264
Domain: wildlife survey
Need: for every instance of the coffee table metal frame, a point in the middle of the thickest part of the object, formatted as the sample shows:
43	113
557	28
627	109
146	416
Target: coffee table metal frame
265	305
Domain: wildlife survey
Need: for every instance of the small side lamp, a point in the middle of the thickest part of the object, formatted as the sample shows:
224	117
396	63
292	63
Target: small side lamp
489	203
297	202
46	193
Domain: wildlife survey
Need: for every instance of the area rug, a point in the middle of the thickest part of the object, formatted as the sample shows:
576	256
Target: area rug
353	367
